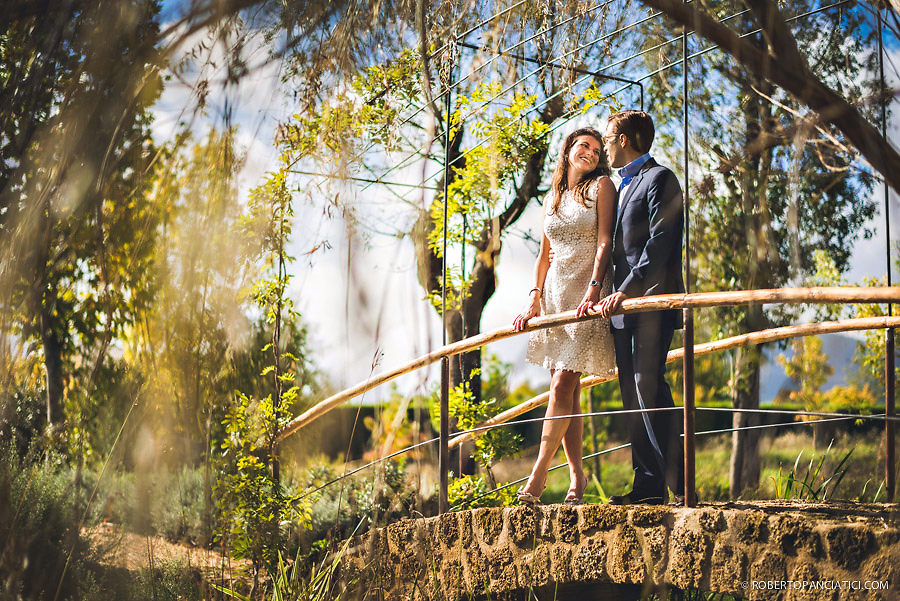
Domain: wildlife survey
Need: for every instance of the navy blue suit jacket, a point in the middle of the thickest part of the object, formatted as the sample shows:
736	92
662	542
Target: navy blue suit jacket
647	241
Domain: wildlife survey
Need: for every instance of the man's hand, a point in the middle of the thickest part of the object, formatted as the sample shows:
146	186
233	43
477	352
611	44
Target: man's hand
610	304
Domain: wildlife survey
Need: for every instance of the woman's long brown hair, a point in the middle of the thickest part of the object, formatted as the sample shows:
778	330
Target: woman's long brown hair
560	181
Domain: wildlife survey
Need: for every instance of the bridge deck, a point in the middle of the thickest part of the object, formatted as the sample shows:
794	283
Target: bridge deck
754	550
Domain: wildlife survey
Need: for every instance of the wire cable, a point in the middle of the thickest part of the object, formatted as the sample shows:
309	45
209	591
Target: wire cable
828	417
626	445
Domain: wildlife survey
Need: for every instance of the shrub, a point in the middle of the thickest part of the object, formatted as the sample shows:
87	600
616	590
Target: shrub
38	529
350	505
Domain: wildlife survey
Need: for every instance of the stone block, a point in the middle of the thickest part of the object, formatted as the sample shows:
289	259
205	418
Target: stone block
849	546
589	561
522	527
488	524
601	517
688	555
626	560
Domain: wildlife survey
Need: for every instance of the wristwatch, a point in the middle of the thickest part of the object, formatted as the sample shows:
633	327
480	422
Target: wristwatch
595	283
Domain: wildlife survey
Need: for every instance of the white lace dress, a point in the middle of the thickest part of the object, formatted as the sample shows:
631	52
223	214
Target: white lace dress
584	347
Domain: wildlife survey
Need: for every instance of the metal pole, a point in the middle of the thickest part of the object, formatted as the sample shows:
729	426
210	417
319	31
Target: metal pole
464	375
889	454
444	446
690	489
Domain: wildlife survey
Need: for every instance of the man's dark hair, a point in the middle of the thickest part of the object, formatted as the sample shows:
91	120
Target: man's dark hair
637	127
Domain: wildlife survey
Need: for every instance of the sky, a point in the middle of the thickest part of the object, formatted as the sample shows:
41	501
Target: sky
359	296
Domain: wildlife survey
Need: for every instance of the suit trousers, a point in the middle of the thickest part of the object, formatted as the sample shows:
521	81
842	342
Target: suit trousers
656	446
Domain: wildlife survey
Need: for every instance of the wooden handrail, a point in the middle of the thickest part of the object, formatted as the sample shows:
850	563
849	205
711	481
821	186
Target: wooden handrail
809	329
637	305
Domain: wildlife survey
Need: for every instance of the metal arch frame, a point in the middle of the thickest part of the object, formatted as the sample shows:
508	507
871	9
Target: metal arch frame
619	62
688	409
550	63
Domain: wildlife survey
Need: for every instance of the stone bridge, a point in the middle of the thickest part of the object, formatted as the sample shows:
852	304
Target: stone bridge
754	550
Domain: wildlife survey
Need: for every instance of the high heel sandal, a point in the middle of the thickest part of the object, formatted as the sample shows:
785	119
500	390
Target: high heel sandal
573	499
526	498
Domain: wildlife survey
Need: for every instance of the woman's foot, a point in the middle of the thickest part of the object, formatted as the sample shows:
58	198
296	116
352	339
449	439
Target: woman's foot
530	494
575	495
526	498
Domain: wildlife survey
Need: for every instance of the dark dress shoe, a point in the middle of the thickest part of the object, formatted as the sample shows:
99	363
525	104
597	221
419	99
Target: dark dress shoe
633	498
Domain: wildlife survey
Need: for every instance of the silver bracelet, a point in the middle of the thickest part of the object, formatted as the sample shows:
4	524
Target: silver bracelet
533	289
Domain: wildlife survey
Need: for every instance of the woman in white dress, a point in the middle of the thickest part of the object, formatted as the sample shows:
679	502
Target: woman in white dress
579	212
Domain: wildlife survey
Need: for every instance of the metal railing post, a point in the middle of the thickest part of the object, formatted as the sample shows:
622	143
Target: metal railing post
444	446
889	368
890	459
690	489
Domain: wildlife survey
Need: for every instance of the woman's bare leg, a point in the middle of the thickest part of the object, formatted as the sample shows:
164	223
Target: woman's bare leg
572	445
562	385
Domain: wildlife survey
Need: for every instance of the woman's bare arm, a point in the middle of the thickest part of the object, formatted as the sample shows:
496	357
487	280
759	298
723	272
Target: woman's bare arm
541	265
605	207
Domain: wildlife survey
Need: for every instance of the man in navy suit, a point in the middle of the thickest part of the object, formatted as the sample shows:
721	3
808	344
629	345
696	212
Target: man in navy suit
646	261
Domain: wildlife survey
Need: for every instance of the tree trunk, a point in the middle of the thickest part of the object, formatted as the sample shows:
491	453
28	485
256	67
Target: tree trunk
745	463
53	366
466	367
823	434
465	321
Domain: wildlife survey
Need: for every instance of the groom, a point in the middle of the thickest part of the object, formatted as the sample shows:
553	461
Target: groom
646	261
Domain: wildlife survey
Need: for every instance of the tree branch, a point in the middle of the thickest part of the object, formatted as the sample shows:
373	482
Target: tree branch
783	68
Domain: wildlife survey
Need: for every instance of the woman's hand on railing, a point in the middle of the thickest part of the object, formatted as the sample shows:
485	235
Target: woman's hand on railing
591	297
532	309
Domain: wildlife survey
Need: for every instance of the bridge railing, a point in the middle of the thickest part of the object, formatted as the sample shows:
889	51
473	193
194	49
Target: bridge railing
638	305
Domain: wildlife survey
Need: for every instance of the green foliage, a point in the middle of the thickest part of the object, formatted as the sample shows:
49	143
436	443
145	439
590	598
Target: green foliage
77	225
370	110
254	506
870	353
471	412
490	445
168	503
352	504
252	503
301	581
809	368
470	492
504	142
812	484
196	322
23	398
39	517
826	273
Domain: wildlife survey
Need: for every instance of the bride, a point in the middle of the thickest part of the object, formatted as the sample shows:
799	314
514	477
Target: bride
579	212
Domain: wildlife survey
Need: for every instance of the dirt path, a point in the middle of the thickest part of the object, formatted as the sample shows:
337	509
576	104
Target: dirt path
119	548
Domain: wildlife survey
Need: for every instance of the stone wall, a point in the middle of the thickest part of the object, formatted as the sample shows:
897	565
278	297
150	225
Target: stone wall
760	550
